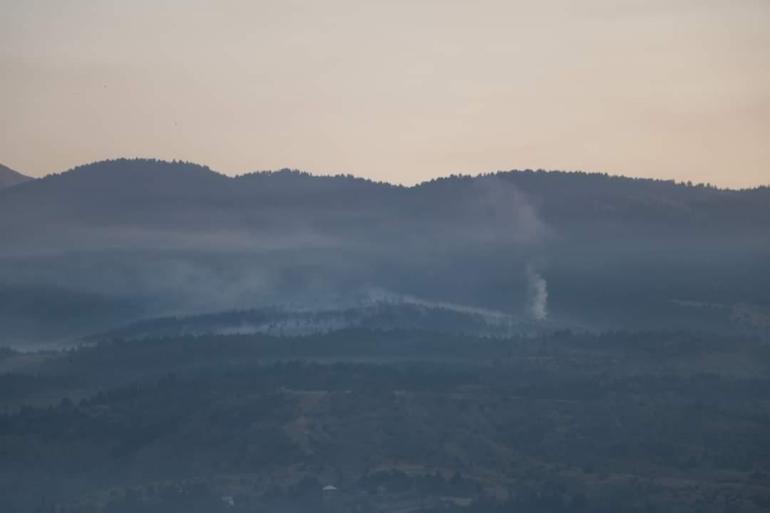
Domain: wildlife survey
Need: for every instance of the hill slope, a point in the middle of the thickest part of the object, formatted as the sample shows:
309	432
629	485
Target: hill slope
9	177
160	239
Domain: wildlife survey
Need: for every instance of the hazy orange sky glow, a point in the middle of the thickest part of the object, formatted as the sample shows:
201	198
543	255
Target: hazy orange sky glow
393	90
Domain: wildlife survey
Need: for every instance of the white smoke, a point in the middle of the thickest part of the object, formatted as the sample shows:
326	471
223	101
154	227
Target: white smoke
538	294
511	217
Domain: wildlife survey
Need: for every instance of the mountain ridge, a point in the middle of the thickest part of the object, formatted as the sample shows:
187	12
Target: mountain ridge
294	172
185	203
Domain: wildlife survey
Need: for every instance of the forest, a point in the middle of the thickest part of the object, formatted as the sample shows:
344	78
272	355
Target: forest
375	420
175	340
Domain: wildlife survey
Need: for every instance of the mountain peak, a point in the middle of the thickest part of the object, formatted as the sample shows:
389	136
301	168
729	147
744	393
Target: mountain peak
138	166
140	176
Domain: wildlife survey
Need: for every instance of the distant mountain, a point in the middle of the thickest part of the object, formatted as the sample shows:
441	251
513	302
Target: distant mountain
577	249
154	204
9	177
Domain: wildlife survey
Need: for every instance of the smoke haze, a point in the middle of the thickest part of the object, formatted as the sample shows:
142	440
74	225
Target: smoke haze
538	294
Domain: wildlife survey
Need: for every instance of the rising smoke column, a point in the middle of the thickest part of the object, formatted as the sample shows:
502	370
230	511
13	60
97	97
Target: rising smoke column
538	294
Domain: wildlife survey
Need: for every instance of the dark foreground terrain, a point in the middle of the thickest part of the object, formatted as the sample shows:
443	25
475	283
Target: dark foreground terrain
390	421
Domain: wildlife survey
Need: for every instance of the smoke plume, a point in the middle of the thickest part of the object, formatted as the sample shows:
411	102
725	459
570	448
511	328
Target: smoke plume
538	294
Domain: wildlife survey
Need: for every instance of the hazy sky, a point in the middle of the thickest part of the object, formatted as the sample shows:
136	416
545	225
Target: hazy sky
400	90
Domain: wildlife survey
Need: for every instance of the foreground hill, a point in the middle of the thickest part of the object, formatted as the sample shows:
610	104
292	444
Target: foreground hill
396	421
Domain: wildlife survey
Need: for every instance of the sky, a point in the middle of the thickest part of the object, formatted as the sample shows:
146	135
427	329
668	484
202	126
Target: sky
396	90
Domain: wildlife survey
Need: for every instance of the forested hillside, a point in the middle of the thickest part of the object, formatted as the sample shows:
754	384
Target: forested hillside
149	239
394	421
